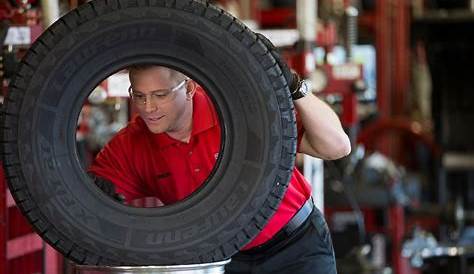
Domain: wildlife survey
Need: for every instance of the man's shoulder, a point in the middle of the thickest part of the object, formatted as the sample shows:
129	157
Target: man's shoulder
133	132
207	117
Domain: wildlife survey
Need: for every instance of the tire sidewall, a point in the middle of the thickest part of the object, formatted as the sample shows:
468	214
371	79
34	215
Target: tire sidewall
251	119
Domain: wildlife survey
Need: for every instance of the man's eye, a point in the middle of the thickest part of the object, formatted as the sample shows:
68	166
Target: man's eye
139	96
160	95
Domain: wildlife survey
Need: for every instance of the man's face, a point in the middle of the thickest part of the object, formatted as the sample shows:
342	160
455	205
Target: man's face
153	84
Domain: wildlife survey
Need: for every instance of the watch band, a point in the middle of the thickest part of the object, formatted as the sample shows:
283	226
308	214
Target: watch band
300	91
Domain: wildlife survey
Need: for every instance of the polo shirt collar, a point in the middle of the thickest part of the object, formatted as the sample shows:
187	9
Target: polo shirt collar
204	118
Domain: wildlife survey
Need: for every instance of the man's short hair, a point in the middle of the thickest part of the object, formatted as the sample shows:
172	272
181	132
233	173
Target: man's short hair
173	74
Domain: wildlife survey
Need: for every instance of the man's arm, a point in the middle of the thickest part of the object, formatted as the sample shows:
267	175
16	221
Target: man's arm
107	187
115	172
323	134
324	137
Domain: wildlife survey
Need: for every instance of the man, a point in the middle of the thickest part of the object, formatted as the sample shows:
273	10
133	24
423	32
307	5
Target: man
295	240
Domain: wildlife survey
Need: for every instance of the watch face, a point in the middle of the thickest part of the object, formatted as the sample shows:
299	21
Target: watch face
304	89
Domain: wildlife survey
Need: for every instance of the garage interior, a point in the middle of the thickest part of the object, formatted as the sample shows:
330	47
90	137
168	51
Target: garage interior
396	72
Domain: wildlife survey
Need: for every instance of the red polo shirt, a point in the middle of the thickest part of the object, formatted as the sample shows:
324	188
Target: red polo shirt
143	164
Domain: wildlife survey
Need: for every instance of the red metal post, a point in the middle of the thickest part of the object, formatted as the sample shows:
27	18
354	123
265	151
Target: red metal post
401	77
383	49
400	264
384	70
397	223
349	105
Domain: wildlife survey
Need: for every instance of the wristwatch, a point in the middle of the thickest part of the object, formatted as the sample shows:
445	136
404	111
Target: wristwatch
302	89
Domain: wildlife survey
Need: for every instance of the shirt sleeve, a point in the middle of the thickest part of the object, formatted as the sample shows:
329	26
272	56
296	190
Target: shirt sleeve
113	163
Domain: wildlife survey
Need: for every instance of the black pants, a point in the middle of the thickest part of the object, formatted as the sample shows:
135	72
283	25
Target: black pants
308	250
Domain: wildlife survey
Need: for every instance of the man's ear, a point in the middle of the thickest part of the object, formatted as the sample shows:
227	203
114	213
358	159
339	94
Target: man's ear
190	89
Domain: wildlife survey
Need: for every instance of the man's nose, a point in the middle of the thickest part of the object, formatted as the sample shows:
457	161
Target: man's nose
149	105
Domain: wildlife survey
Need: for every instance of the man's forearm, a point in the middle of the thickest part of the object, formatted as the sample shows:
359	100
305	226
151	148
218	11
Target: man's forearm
324	136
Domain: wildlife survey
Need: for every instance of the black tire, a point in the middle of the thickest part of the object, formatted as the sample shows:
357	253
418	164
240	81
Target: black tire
98	39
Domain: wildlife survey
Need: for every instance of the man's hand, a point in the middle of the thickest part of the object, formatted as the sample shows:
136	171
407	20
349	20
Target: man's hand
291	77
108	188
